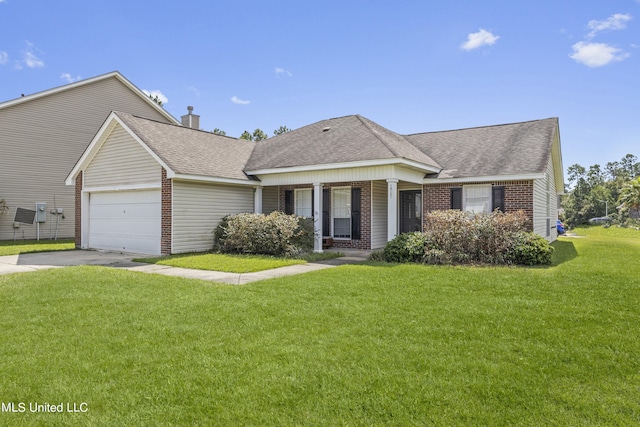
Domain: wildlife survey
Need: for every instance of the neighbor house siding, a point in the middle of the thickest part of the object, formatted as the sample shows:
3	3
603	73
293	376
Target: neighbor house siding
198	209
269	199
545	204
43	138
379	216
121	161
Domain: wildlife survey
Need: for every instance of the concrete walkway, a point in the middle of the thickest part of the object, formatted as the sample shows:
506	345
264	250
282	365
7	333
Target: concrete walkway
44	260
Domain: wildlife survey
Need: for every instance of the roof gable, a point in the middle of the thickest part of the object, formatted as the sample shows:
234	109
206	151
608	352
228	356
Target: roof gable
334	141
87	82
183	152
187	151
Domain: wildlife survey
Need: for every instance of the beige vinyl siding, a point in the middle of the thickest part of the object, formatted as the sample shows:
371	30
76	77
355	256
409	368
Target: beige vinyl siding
545	204
404	186
269	199
40	141
198	209
121	161
366	173
378	214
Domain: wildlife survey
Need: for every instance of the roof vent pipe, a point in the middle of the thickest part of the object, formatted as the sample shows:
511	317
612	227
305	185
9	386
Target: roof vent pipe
191	120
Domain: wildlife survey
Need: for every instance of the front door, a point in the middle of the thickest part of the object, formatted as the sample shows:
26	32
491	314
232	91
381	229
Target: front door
410	211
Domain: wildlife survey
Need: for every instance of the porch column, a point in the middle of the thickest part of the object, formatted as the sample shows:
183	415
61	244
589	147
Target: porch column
392	208
257	199
317	217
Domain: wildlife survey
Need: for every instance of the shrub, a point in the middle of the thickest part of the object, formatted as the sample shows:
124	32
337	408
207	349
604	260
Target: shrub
377	255
457	237
274	234
405	247
530	249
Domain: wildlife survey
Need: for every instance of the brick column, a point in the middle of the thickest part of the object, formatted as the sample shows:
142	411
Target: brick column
78	211
167	214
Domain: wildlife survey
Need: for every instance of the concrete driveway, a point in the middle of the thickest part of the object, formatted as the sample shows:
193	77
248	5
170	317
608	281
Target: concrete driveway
40	261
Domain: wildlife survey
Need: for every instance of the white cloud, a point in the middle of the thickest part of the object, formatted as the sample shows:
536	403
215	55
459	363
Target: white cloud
617	21
4	56
596	54
154	93
193	90
239	101
282	71
69	78
30	59
479	39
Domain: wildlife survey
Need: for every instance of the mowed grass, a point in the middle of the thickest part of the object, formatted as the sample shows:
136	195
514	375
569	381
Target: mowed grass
223	262
352	345
9	247
234	263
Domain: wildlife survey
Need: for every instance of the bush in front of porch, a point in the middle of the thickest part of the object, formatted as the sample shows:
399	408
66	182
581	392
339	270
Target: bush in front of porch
275	234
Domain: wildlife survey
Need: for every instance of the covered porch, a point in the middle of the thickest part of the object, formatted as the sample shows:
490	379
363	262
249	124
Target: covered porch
349	215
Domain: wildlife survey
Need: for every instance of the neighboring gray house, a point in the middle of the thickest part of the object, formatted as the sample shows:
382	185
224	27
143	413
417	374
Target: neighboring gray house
363	184
42	135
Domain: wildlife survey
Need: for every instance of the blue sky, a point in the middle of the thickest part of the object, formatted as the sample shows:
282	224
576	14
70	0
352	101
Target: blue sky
411	66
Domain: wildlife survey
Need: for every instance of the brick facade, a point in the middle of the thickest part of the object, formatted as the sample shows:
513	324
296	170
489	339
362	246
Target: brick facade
518	196
365	211
78	211
167	215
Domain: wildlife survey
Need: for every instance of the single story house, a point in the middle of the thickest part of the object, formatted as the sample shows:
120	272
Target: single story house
148	186
43	134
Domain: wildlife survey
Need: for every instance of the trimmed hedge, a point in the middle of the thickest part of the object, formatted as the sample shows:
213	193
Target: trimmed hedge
275	234
457	237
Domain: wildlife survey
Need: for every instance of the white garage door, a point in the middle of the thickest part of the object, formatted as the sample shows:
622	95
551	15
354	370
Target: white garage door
127	221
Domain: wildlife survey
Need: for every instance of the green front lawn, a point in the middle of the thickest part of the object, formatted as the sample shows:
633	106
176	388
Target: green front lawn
352	345
233	263
9	247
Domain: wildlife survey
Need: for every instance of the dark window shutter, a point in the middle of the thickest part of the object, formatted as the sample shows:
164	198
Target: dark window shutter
326	219
313	202
456	198
497	198
288	202
355	213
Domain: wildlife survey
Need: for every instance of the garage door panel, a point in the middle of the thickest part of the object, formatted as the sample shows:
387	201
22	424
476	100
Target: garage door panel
130	210
125	221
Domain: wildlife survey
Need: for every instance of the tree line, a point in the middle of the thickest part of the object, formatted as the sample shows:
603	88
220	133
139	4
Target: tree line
612	191
257	135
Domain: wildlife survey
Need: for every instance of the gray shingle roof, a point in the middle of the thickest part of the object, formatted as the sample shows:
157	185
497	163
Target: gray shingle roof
192	152
338	140
517	148
509	149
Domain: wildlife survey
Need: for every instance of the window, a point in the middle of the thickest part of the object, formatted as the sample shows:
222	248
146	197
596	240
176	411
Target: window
477	198
304	202
341	212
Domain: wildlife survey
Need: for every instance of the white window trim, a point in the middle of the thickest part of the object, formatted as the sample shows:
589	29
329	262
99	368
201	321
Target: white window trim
333	217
